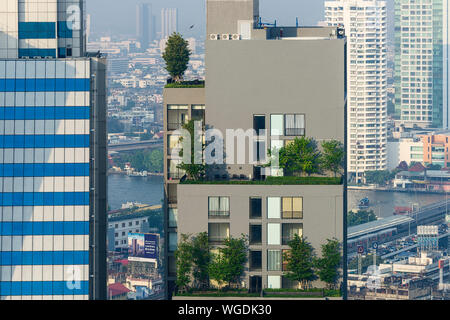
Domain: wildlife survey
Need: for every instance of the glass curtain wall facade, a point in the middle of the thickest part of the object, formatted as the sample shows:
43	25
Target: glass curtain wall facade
44	174
421	66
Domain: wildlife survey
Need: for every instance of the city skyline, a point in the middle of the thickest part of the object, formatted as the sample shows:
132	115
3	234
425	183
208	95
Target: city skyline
194	13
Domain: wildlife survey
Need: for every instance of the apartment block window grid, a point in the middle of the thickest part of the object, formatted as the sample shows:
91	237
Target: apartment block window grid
219	206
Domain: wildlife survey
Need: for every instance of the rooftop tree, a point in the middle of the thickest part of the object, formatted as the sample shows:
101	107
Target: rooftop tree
332	156
300	262
194	171
228	265
302	155
201	259
330	262
183	257
176	56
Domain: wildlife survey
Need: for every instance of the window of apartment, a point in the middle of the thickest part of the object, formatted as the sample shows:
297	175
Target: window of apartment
255	260
137	223
292	208
116	226
259	151
290	230
177	115
255	208
175	173
289	284
295	125
219	206
218	232
123	233
174	145
273	234
259	123
198	113
116	234
173	241
273	260
123	225
285	263
173	217
274	282
172	193
255	234
130	224
276	125
273	207
172	266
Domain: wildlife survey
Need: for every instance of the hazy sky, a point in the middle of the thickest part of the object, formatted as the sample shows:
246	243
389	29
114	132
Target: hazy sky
119	16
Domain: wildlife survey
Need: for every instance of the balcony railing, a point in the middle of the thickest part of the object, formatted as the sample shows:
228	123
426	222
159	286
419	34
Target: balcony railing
219	214
285	240
175	175
217	239
294	132
174	125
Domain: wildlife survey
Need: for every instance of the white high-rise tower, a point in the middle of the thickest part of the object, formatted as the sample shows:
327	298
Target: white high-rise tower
366	29
169	22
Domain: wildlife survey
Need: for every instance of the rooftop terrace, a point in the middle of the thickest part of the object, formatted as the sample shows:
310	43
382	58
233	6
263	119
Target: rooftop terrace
271	181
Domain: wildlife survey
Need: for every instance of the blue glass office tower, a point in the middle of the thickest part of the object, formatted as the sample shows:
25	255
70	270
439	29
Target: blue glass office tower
52	155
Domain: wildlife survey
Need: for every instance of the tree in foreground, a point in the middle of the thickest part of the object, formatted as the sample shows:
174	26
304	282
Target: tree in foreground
227	266
176	56
302	155
328	265
360	217
332	156
201	259
300	262
193	170
183	257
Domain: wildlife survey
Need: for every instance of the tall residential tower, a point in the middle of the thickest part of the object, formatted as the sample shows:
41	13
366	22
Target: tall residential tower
52	154
169	22
421	63
366	29
145	24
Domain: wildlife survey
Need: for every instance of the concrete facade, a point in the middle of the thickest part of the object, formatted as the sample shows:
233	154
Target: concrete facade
322	216
262	80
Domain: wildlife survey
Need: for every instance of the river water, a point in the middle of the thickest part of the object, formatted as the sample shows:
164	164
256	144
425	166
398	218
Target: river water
382	203
149	190
123	189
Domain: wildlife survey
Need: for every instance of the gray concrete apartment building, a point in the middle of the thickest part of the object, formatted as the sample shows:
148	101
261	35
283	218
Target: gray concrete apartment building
289	81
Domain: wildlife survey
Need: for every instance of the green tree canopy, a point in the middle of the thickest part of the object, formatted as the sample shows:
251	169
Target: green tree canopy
379	177
328	266
332	156
176	56
300	156
300	262
201	259
183	258
194	171
360	217
227	266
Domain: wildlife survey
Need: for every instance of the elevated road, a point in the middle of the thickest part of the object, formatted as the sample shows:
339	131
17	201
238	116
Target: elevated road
139	145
